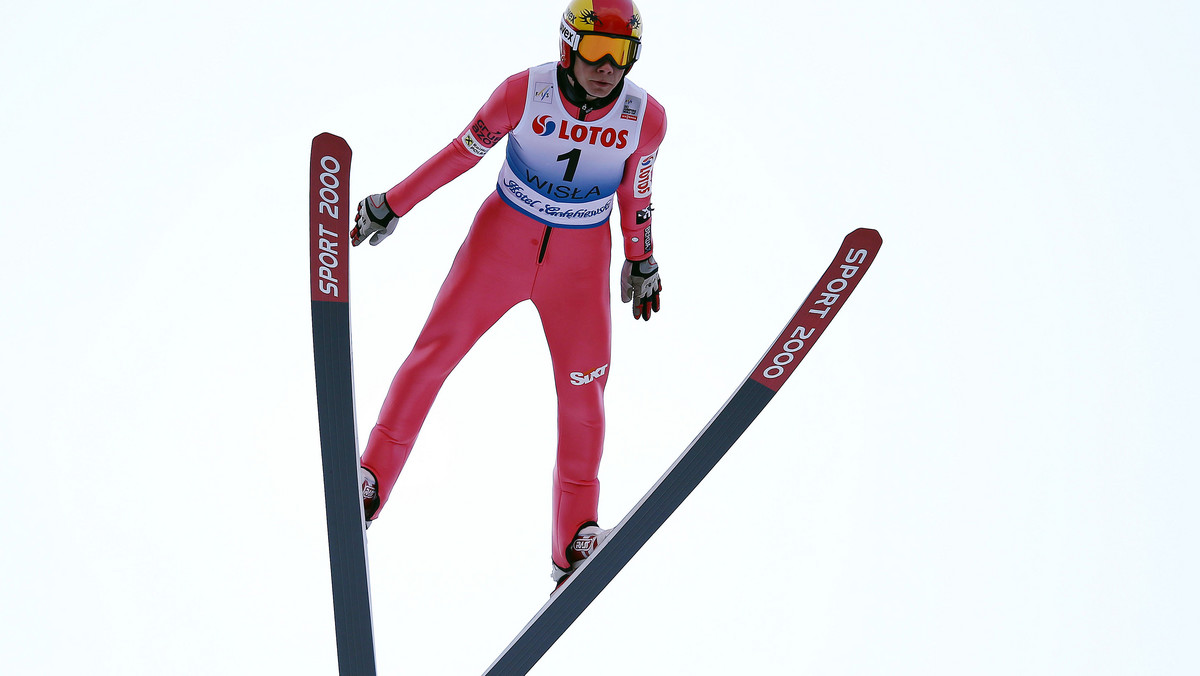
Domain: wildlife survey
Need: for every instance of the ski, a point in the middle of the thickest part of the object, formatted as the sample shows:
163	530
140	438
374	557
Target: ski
857	252
329	268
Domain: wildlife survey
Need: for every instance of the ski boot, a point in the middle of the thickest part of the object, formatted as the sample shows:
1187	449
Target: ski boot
586	542
370	494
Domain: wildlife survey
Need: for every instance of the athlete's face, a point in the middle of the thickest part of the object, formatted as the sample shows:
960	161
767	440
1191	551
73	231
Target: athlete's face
597	81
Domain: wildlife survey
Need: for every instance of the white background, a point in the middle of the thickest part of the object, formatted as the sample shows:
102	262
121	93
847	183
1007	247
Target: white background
987	466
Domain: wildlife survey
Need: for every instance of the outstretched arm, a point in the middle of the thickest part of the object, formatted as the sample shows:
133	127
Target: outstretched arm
378	214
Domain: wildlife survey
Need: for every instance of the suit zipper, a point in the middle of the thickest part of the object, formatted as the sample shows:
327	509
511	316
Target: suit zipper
545	243
583	111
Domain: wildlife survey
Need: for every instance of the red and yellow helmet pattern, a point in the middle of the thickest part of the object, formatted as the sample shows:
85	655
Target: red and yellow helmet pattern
598	30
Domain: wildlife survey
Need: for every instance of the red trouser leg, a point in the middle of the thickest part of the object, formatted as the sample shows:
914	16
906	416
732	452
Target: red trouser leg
572	297
493	271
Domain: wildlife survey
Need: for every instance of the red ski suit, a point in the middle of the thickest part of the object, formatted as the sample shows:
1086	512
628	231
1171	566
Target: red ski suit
509	256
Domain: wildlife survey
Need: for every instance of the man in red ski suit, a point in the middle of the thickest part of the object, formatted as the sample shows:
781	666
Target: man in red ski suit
578	132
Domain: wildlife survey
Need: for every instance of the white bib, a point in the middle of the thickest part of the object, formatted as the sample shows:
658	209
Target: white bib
563	172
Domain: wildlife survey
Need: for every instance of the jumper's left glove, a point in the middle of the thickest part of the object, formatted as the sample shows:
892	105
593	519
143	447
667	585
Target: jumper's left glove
640	284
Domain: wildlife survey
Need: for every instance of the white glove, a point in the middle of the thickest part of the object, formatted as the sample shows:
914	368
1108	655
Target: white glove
375	219
640	284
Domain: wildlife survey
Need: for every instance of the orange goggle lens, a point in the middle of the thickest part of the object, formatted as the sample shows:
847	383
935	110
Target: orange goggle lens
594	49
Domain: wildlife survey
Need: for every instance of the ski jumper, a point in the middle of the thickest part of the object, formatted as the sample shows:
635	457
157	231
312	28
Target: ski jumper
542	236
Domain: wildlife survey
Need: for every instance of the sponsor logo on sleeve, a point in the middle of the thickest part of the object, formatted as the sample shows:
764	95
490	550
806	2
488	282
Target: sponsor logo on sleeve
643	218
645	175
473	145
486	137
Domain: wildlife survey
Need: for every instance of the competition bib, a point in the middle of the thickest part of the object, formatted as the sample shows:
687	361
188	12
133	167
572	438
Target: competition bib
563	172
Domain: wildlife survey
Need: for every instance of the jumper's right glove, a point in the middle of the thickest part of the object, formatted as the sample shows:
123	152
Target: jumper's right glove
375	219
640	284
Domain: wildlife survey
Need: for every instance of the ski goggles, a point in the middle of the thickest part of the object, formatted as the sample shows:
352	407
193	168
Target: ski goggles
595	48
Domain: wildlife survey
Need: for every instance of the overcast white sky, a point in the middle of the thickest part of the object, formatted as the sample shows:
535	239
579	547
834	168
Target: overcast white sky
987	466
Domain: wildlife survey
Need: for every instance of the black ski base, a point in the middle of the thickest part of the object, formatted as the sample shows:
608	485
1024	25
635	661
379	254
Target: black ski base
343	505
570	600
